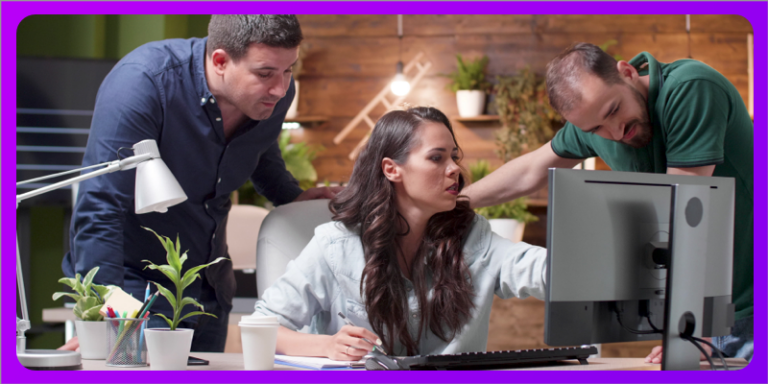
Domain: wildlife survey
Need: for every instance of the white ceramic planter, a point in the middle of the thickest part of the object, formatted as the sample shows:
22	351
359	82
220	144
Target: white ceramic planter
168	350
293	110
508	228
92	336
470	103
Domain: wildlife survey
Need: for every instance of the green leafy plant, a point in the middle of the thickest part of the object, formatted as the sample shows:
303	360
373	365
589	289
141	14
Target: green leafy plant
516	209
89	297
298	161
173	271
527	118
469	75
608	44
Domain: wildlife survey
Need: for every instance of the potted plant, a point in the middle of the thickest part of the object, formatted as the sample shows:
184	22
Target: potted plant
169	348
91	327
527	118
470	86
507	219
298	161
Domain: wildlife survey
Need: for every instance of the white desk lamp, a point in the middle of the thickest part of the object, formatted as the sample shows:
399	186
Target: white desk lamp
156	190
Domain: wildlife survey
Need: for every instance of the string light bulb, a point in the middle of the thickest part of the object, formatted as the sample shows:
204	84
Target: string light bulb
400	85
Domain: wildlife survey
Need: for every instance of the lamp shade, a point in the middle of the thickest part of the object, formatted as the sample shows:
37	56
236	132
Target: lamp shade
156	188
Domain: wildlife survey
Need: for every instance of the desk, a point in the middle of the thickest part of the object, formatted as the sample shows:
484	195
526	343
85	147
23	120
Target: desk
66	316
234	362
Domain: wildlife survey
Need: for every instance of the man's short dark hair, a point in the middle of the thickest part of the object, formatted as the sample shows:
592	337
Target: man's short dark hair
566	70
234	33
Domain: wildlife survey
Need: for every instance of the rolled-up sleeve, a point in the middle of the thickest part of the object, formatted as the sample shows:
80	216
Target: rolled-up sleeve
303	291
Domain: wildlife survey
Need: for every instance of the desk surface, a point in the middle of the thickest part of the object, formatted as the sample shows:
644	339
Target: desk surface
234	362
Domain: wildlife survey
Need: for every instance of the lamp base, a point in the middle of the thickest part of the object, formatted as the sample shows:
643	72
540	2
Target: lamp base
50	359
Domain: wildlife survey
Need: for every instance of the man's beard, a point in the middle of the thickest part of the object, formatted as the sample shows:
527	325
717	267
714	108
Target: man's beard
644	130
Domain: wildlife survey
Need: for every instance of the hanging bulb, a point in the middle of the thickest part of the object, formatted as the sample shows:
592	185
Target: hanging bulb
400	85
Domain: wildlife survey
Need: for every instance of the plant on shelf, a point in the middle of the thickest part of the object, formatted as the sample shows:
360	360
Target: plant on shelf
470	85
516	209
469	75
527	118
89	299
608	44
298	161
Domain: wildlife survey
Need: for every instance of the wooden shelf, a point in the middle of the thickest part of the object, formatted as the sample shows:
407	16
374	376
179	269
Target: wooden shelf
480	118
308	121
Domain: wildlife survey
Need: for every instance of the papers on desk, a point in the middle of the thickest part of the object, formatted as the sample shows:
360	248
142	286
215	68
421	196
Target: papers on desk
318	362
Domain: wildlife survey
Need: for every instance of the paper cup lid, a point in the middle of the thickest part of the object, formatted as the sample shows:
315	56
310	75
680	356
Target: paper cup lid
259	320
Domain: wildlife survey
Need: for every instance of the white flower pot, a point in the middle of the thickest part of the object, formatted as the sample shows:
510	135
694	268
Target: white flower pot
508	228
293	110
168	350
92	336
470	103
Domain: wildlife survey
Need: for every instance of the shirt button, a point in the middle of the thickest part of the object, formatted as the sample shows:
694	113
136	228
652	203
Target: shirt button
206	205
203	100
218	119
214	237
219	181
213	101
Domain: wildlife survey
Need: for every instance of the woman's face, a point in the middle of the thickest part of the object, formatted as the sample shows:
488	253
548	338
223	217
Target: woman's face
429	179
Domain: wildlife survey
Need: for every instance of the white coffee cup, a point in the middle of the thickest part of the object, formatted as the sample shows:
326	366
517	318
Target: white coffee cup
259	337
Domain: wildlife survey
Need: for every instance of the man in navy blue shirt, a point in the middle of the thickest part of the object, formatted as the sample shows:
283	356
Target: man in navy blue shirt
215	106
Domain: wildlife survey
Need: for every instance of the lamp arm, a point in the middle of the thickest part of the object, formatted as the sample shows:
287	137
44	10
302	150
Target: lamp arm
55	175
117	165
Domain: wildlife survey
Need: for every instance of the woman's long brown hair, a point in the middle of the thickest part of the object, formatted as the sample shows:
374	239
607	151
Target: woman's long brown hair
367	205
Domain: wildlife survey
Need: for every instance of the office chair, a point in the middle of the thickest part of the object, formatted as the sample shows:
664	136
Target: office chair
283	235
242	231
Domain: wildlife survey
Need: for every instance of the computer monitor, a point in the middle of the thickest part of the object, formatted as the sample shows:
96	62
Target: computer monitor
626	249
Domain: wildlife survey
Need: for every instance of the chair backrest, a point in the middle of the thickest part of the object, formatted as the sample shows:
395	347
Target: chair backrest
284	233
243	226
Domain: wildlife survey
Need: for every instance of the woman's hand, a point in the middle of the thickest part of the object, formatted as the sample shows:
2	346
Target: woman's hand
348	343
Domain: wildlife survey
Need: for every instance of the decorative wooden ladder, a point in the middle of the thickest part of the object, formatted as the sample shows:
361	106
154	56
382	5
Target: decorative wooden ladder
420	65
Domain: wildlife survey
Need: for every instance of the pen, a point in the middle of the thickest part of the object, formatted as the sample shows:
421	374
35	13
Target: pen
375	346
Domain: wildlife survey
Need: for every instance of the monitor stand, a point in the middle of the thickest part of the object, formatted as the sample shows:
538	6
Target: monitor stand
684	304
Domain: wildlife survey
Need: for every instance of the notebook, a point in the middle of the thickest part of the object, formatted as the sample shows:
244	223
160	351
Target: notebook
318	362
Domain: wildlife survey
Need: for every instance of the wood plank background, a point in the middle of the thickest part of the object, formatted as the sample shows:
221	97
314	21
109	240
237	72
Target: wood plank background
351	57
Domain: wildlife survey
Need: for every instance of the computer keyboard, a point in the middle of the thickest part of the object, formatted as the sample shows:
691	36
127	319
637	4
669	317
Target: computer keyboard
482	360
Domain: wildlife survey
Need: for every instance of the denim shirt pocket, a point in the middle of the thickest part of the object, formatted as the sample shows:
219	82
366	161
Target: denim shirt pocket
357	314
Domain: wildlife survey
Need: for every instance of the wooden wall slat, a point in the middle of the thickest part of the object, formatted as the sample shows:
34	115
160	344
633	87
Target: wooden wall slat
720	23
348	25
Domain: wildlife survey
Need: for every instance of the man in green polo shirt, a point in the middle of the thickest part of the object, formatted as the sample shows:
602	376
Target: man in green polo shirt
680	118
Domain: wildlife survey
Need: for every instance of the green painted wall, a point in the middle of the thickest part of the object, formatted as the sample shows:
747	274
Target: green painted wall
88	37
101	36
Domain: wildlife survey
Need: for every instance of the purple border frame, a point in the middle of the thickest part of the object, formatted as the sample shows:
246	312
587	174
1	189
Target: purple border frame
14	12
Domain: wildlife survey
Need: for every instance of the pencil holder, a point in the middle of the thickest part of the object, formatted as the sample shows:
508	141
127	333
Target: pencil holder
125	342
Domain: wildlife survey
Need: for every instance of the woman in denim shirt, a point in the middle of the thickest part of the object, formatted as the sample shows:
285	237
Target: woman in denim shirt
405	259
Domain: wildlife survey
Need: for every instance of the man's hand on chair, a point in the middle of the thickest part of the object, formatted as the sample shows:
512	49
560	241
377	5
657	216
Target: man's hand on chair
656	353
319	193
